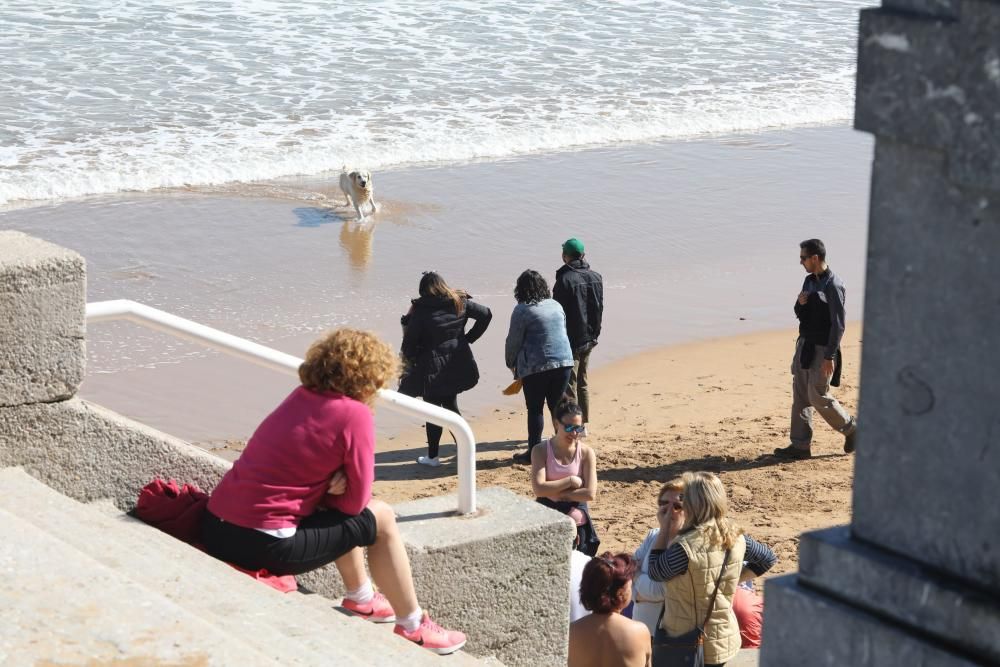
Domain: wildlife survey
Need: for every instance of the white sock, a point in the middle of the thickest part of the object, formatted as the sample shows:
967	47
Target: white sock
411	622
363	594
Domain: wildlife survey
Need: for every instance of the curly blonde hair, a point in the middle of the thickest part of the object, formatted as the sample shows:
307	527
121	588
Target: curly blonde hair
705	507
350	362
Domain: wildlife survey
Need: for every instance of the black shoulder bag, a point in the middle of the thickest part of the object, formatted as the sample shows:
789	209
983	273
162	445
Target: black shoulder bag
687	650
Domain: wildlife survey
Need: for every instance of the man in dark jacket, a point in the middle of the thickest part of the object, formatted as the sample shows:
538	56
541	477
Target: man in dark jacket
580	291
816	364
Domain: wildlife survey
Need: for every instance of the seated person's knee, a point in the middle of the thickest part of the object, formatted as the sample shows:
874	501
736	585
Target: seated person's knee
385	516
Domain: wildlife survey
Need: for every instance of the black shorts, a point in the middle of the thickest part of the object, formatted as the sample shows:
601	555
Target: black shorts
321	538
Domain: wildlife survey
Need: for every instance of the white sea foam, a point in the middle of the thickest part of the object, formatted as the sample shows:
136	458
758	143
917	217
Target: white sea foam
98	97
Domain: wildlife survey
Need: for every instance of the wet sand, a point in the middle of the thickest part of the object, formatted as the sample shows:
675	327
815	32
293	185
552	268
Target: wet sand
695	239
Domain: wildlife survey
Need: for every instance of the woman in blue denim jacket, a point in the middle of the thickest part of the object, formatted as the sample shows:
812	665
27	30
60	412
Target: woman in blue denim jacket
538	352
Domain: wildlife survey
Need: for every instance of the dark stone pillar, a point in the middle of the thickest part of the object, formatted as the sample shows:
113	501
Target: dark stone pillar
915	578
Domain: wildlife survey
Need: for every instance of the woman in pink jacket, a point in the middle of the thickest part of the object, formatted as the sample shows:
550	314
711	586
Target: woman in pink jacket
299	496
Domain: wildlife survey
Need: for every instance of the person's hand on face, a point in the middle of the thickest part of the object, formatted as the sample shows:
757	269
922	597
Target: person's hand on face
338	484
670	514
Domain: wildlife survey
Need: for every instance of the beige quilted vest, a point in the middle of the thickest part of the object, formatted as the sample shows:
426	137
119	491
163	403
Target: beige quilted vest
688	595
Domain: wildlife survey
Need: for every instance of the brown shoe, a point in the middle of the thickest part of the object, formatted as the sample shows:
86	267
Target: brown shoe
792	452
849	441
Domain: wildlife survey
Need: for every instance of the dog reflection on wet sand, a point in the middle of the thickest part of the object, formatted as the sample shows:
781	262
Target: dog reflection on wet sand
356	239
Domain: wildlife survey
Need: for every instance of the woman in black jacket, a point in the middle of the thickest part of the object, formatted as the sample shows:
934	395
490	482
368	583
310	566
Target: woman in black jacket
437	352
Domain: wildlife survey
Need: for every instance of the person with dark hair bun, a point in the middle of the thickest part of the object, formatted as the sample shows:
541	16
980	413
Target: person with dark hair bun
538	352
564	474
605	638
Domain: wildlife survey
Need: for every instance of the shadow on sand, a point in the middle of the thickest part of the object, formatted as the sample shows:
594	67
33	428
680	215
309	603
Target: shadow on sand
401	464
716	464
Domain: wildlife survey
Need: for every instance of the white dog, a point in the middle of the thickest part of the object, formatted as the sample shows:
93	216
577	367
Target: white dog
358	189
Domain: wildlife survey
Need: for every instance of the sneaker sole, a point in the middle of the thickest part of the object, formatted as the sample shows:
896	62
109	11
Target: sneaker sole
370	618
446	650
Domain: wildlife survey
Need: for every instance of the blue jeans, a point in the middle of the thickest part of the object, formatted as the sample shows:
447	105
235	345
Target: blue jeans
539	389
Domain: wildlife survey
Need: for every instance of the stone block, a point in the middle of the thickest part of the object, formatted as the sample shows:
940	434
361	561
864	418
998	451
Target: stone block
928	458
900	589
42	300
935	83
802	627
942	9
502	575
88	452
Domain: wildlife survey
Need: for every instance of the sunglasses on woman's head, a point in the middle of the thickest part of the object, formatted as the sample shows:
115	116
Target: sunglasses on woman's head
573	428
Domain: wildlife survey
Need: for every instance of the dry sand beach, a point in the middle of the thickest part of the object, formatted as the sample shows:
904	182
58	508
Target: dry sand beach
720	405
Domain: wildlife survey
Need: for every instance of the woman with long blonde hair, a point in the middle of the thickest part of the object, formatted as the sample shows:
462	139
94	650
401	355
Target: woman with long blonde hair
701	556
299	496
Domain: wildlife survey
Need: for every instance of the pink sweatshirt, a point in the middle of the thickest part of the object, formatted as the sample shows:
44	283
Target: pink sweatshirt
282	475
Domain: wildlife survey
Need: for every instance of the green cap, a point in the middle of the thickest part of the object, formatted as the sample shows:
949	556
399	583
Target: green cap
573	247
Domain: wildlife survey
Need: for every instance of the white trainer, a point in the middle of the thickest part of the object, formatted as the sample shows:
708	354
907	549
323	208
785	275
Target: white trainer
428	461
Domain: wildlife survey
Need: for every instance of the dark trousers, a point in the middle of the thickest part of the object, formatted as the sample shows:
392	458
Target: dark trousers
539	389
321	538
433	430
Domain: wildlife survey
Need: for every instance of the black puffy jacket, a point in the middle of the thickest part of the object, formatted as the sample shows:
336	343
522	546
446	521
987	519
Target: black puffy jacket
580	291
436	348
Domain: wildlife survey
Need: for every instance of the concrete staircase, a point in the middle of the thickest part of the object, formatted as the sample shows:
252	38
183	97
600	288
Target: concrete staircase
83	584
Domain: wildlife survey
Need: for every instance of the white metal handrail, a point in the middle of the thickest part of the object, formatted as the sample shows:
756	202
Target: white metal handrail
265	356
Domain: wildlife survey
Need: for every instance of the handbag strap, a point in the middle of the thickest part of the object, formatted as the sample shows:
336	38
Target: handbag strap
711	603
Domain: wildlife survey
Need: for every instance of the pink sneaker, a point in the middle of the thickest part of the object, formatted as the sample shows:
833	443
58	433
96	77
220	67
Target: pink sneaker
377	610
433	637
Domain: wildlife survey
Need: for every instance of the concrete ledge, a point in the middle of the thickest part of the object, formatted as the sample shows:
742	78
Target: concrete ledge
88	452
803	627
900	588
501	575
42	296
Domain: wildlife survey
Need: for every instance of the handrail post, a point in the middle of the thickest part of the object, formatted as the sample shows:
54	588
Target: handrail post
163	321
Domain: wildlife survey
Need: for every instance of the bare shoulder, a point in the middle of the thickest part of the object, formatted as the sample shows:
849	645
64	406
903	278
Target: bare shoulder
539	451
639	629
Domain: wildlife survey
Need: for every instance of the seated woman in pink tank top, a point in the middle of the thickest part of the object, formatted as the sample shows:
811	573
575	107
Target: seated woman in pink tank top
564	474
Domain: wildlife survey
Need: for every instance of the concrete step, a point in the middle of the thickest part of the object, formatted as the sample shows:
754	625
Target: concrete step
288	628
61	607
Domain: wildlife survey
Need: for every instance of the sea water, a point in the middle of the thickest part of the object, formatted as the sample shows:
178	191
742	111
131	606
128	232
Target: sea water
106	96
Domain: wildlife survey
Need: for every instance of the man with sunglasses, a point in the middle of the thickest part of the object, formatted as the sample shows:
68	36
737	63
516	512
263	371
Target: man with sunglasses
817	361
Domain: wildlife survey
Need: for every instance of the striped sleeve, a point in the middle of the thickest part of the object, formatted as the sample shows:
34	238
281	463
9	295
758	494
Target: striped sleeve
759	557
667	563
